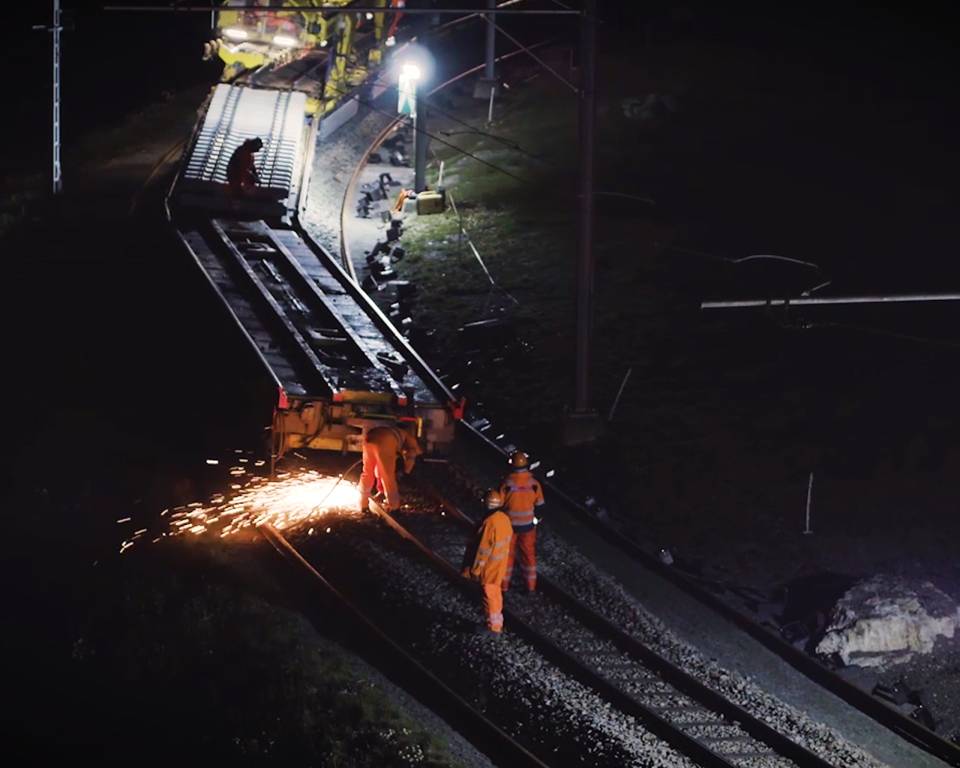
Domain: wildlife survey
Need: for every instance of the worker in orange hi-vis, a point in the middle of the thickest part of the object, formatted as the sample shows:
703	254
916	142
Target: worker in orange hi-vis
522	494
490	561
382	446
242	173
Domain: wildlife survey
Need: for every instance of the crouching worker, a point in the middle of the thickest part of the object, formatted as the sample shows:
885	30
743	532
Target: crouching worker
490	562
242	176
382	446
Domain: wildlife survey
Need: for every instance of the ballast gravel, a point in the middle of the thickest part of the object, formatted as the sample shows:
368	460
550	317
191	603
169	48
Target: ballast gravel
571	571
503	677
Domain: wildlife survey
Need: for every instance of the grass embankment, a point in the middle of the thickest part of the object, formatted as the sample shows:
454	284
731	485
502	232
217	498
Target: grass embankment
525	230
522	227
193	650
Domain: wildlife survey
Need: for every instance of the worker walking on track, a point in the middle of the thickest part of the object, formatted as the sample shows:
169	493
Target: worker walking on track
490	561
382	446
242	173
522	493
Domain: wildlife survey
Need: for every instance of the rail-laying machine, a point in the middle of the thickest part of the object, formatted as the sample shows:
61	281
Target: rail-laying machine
338	364
348	45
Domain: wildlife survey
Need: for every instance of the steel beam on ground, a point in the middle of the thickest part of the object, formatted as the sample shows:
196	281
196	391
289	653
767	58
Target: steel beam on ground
803	301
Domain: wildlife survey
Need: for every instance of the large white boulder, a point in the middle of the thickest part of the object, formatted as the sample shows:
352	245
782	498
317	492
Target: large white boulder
884	620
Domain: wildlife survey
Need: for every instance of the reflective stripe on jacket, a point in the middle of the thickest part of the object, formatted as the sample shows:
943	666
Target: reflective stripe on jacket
490	564
521	493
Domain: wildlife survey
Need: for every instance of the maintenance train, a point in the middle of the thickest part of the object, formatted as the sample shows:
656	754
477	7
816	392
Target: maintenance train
338	364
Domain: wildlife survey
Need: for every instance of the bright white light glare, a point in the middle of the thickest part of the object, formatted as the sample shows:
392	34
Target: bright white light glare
323	43
390	41
284	41
234	33
412	71
369	16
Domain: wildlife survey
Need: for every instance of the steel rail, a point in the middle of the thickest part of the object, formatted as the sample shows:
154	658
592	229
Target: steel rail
670	672
655	723
273	310
298	276
407	671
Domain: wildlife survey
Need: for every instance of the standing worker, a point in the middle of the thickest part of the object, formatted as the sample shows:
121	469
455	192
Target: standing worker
489	565
382	446
522	492
242	173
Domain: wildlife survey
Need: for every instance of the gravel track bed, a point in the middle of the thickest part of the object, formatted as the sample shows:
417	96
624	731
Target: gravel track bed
503	677
335	161
445	536
570	570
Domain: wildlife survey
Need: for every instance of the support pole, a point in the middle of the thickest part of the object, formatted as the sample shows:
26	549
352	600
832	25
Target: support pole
420	140
585	262
486	86
57	171
583	424
491	47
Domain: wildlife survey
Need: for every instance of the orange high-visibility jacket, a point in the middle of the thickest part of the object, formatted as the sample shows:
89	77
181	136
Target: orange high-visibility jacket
521	493
381	447
490	564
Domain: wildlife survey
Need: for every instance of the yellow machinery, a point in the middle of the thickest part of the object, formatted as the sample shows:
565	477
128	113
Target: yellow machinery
250	39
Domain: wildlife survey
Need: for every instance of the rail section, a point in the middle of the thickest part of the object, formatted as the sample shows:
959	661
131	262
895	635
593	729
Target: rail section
672	704
406	669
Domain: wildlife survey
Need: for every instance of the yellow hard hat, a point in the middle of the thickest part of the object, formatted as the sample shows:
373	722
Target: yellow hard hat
519	460
493	499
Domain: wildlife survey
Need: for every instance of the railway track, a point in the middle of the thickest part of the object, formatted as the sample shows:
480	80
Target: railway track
672	704
478	431
405	668
306	334
617	701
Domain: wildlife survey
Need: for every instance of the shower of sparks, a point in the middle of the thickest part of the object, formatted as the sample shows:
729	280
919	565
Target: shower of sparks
286	503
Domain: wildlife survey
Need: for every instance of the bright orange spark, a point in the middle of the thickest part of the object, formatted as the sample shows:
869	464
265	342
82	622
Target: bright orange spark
289	501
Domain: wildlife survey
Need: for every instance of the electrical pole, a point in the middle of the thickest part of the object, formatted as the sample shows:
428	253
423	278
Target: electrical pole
582	424
486	86
420	141
56	28
488	71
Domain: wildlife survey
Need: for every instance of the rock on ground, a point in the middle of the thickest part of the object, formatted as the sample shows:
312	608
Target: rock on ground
885	620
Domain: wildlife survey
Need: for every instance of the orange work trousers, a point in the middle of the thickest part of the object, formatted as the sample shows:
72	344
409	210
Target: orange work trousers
381	469
493	606
527	544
